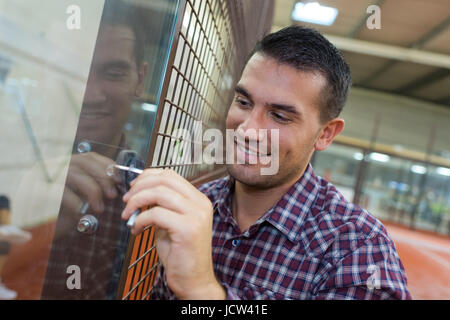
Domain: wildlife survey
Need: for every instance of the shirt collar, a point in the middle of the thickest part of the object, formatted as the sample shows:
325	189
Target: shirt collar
288	214
223	199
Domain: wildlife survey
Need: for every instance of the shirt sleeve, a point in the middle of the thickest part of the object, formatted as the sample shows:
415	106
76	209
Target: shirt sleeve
371	272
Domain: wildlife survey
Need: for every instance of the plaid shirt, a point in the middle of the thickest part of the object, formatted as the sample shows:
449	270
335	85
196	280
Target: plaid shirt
312	244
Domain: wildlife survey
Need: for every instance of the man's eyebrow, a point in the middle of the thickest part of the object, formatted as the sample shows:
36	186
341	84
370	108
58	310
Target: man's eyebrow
117	64
283	107
287	108
239	89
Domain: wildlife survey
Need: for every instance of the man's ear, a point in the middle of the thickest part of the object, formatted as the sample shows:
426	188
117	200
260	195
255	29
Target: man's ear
328	133
142	74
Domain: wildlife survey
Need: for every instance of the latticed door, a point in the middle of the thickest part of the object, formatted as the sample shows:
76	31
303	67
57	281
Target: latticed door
210	46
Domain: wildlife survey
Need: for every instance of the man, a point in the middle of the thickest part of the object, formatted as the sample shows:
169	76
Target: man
291	235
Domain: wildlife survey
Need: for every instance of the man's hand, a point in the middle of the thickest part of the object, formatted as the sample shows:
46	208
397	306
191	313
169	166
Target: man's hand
88	181
183	218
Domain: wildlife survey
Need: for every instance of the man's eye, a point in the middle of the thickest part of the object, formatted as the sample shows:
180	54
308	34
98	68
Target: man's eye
279	117
242	102
115	74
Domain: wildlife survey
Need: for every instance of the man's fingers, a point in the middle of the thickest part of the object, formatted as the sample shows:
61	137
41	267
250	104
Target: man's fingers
88	188
157	196
155	177
71	202
97	166
160	217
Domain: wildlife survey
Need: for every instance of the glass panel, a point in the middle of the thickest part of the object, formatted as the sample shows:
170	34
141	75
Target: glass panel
433	212
339	165
441	146
391	187
79	86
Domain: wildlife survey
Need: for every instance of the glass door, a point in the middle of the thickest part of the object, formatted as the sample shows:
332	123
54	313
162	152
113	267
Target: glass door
79	89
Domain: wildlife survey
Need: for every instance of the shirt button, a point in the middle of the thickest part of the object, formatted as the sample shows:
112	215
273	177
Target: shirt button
235	243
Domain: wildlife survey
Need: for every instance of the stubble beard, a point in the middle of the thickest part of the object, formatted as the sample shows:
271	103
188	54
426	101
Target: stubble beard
252	177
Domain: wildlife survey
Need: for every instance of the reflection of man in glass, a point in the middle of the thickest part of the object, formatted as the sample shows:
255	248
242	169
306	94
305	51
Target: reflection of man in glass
116	77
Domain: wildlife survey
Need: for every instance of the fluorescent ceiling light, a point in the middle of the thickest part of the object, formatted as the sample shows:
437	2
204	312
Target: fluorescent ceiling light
418	169
313	12
149	107
443	171
379	157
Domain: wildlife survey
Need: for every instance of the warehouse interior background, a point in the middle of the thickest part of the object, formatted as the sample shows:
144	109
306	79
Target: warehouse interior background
392	158
398	108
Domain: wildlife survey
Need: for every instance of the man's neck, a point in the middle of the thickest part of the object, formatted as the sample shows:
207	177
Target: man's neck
249	204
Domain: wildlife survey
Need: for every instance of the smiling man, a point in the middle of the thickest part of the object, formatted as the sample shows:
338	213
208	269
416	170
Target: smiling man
290	235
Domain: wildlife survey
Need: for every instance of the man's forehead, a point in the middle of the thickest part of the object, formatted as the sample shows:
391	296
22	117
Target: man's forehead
119	34
115	42
279	83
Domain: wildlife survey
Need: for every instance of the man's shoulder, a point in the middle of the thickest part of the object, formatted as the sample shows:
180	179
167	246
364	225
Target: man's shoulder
354	243
344	218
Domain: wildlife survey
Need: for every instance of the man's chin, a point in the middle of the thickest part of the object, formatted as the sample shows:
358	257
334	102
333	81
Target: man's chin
250	175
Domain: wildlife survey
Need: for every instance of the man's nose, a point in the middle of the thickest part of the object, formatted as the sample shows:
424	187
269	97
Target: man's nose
94	91
253	127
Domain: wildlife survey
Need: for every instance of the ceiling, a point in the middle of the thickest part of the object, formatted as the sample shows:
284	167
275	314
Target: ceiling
409	55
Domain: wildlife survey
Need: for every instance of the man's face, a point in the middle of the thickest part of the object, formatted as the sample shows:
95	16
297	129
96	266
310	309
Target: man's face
114	81
269	96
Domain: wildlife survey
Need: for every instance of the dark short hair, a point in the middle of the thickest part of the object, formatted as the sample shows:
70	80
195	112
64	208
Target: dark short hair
119	13
307	50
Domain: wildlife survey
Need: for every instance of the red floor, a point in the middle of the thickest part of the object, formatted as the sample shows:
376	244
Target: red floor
426	258
24	271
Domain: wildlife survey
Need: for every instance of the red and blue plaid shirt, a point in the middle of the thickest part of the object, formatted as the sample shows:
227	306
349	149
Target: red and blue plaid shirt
312	244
